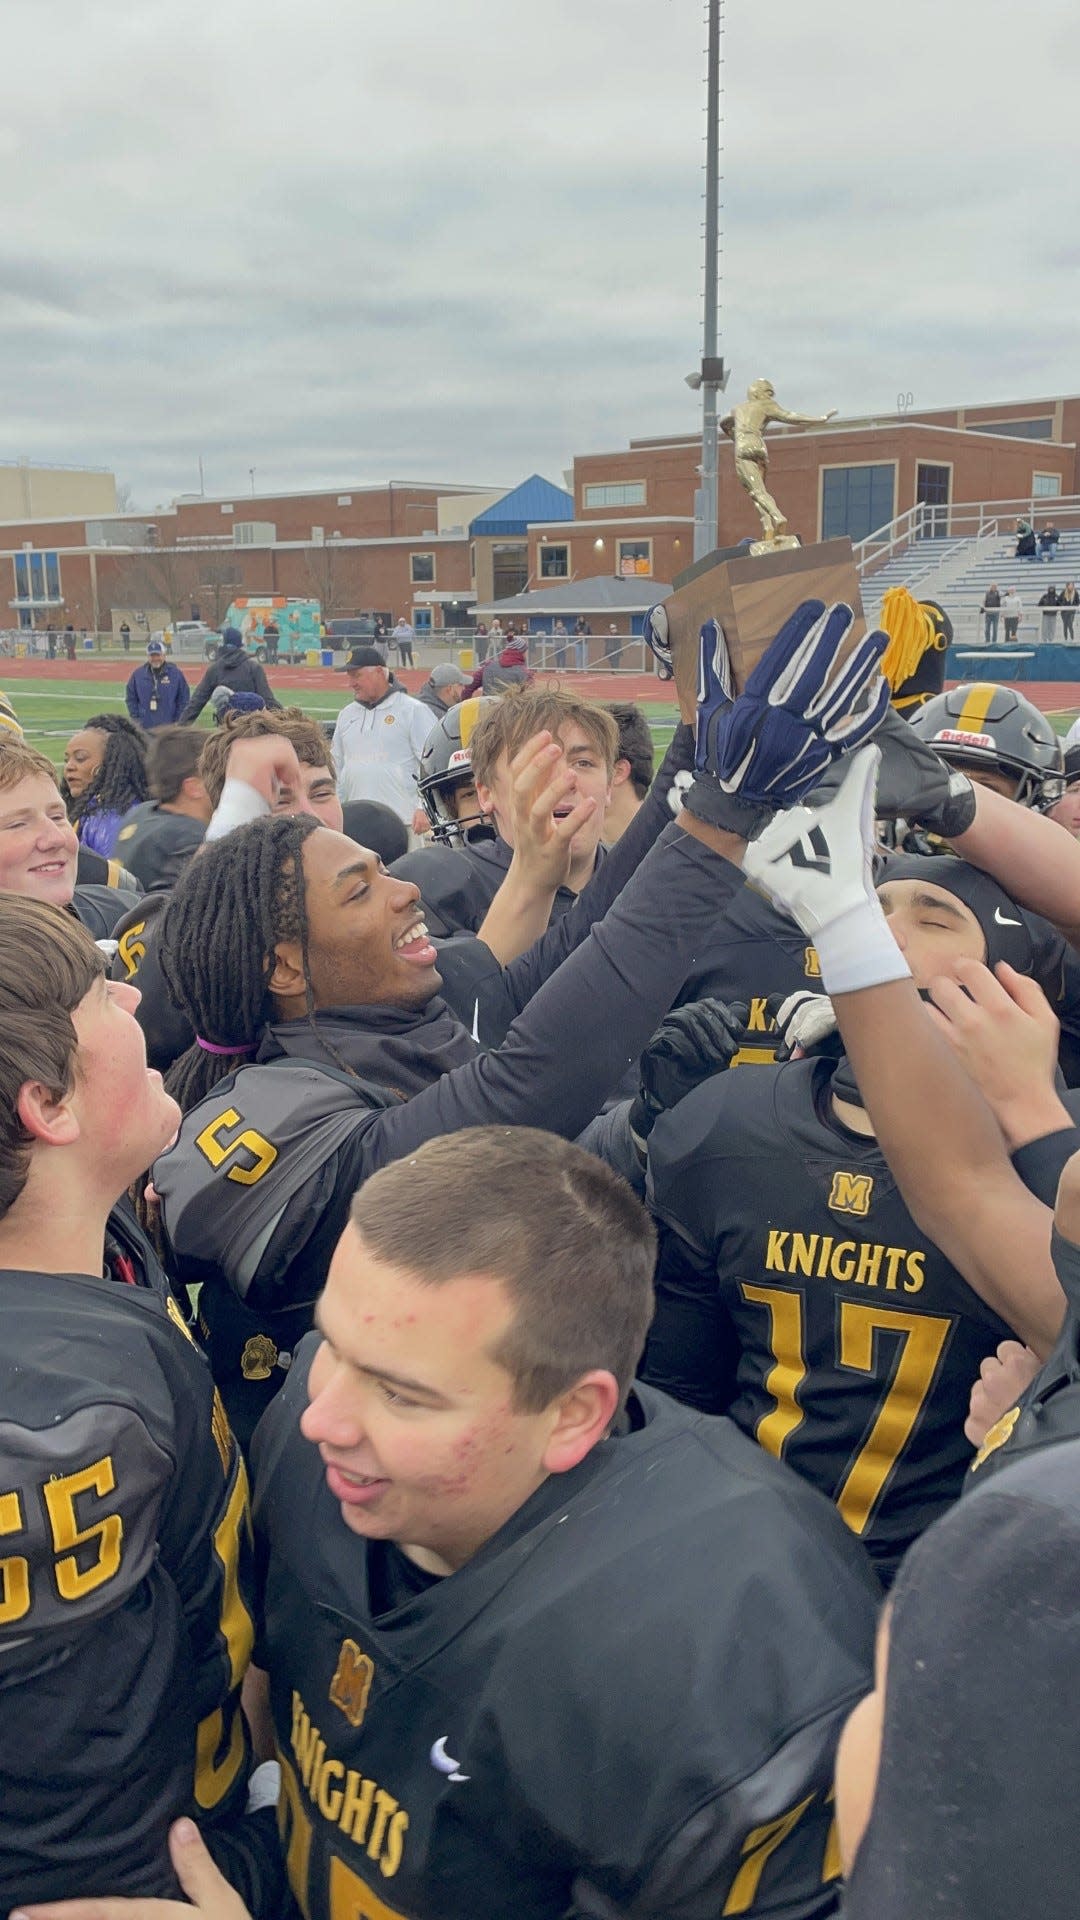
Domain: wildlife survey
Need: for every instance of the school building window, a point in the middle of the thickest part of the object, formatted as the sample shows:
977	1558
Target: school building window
37	578
621	493
422	569
856	501
633	557
1045	486
554	563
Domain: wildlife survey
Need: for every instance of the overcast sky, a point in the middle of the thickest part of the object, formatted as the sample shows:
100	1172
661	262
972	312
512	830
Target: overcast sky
350	240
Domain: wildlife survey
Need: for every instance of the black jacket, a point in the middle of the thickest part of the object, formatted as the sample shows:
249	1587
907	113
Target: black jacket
156	845
236	670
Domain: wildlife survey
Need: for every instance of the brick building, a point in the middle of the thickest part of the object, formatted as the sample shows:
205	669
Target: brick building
433	551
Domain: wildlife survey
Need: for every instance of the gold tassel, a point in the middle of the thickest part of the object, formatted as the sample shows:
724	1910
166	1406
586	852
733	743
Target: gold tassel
911	631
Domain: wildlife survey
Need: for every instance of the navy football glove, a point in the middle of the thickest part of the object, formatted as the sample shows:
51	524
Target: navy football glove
799	711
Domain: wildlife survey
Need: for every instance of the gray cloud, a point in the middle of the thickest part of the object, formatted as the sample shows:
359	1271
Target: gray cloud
360	239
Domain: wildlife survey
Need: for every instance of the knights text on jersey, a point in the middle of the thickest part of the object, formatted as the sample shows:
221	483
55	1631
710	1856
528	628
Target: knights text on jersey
796	1292
626	1704
124	1628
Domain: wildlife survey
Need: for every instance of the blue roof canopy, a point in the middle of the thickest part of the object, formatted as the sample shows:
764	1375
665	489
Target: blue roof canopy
535	499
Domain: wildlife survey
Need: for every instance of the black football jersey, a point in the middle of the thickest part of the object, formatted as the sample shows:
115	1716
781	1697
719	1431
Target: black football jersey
626	1704
796	1291
125	1566
758	954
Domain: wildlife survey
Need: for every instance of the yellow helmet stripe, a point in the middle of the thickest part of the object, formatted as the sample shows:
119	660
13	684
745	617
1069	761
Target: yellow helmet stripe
470	714
977	702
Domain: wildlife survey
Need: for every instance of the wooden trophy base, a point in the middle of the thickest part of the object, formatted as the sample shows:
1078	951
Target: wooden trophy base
751	595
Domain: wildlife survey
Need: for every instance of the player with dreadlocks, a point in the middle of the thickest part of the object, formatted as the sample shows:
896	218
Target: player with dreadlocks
104	775
287	936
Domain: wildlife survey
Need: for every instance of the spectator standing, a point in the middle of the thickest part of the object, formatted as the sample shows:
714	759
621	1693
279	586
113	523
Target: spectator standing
70	642
1048	601
50	642
613	647
378	739
104	777
560	637
271	637
402	638
1012	608
234	669
157	693
991	613
125	636
582	636
158	837
1068	600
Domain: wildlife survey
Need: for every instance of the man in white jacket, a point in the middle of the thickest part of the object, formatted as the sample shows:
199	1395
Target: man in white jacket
378	738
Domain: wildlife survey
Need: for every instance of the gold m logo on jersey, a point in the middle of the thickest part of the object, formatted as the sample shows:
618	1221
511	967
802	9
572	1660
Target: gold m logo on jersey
351	1684
851	1193
811	964
248	1142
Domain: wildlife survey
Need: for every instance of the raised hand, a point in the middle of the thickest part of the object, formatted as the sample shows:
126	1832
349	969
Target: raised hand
803	707
690	1045
816	864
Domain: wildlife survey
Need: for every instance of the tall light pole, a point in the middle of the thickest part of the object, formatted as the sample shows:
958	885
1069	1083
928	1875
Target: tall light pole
712	378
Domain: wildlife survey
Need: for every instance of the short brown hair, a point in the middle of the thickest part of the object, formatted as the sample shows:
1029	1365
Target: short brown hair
307	736
505	727
635	743
572	1245
171	758
48	963
20	762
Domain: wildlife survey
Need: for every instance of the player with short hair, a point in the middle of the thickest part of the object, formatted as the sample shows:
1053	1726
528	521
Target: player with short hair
633	771
39	853
124	1631
158	837
538	1641
460	875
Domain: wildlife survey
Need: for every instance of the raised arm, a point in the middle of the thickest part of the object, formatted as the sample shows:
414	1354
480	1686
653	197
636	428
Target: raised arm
939	1137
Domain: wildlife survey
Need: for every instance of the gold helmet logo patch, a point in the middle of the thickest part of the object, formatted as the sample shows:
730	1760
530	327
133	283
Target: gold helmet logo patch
259	1357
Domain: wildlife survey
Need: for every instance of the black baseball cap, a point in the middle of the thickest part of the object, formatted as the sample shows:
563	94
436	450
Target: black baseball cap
361	657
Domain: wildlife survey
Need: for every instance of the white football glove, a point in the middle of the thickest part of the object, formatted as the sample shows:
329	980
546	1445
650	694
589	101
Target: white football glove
816	864
803	1021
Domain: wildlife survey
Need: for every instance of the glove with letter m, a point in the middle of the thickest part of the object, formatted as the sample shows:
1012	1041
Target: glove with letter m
816	863
804	706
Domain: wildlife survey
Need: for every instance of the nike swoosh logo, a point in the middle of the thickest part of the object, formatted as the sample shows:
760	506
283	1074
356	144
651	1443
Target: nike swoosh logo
444	1762
476	1021
1003	919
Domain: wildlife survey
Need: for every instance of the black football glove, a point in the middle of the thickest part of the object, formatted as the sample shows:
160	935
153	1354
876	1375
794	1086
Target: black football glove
914	782
690	1045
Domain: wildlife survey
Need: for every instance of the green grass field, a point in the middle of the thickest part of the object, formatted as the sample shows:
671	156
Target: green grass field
50	715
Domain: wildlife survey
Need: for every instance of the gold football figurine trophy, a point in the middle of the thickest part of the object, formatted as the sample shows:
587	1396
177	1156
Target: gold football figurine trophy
746	425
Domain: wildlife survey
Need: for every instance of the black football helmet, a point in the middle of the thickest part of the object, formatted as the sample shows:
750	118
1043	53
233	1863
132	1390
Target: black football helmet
446	763
984	725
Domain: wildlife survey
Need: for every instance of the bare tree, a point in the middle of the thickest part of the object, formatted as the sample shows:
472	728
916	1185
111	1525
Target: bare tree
219	582
125	499
335	575
160	577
